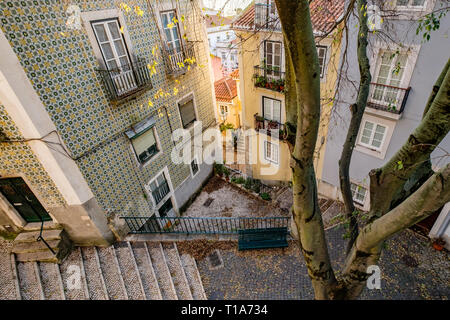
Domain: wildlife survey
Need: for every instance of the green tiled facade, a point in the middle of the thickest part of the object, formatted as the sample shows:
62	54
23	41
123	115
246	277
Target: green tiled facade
60	63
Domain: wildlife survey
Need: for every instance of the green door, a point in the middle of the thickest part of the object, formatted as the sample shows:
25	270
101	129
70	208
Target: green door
19	195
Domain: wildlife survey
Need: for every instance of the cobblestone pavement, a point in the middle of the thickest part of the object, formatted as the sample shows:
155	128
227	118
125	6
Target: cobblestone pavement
229	201
410	269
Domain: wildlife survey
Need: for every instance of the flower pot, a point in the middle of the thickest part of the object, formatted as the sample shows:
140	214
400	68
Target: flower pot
438	246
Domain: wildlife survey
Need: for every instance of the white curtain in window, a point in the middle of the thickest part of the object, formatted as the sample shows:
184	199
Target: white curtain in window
144	141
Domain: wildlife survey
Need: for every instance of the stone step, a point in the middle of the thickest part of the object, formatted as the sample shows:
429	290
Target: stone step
36	226
176	271
129	271
193	277
29	281
74	277
111	273
43	256
94	277
51	281
324	207
28	249
32	236
146	272
162	273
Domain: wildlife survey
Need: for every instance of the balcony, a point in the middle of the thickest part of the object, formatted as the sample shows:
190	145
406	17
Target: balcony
178	62
268	78
266	17
160	192
265	124
126	81
387	98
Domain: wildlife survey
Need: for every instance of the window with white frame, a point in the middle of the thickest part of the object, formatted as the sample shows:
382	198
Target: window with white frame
411	3
358	193
112	44
223	109
187	111
194	167
272	109
372	135
159	188
145	145
271	152
322	53
389	77
272	56
171	31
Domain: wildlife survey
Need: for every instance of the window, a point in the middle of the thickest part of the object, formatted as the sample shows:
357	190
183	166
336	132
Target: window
372	135
223	109
272	109
218	38
187	112
171	32
224	56
410	3
159	188
272	55
145	145
358	193
271	152
111	44
194	167
391	68
233	57
322	53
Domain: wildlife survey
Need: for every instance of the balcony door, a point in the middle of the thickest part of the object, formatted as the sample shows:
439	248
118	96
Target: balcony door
173	39
272	56
20	196
115	54
391	68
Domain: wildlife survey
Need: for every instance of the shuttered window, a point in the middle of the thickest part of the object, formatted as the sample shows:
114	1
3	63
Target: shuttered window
187	112
271	152
358	193
322	53
372	135
272	109
145	146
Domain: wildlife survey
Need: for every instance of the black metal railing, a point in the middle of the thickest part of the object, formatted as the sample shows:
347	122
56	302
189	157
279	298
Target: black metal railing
269	77
203	225
126	80
179	61
262	123
388	98
160	192
266	17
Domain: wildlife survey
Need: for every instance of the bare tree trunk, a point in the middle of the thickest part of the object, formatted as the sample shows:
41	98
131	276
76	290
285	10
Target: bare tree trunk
357	110
303	69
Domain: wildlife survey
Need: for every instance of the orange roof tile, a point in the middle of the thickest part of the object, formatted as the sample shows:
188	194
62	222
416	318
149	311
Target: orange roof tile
226	89
324	14
235	74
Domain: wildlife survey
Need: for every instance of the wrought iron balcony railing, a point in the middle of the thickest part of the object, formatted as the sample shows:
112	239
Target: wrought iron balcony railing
179	61
126	80
269	78
262	123
388	98
266	17
160	192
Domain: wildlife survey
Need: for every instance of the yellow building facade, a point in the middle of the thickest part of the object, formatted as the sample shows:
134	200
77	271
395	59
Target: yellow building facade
262	76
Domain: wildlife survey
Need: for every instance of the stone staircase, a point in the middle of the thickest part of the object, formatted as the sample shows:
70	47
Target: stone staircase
125	270
27	248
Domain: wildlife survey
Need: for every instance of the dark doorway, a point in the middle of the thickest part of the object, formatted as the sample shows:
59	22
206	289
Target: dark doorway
19	195
165	208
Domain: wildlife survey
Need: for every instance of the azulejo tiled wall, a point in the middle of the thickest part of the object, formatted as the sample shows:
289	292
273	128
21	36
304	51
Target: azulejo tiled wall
60	64
17	159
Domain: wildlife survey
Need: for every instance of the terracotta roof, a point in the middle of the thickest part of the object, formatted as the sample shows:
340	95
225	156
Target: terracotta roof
235	74
226	89
217	21
324	13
